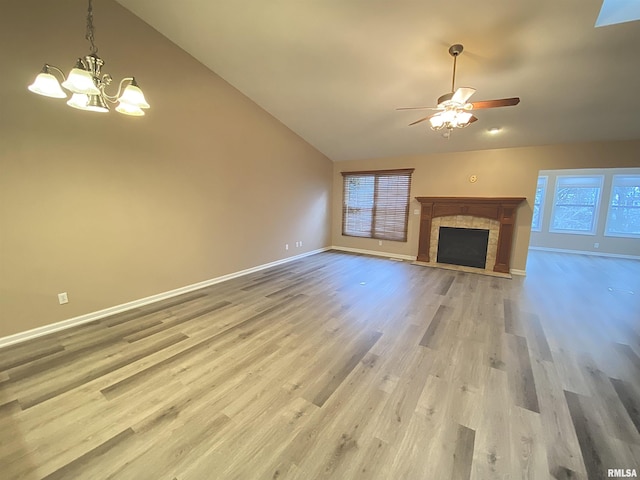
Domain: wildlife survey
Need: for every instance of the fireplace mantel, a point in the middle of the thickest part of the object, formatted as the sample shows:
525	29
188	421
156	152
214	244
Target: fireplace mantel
502	209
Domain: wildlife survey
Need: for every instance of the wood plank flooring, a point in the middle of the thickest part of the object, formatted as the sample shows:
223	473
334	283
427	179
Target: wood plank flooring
341	366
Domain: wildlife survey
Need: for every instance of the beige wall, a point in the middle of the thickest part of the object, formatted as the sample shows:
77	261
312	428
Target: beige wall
111	208
511	172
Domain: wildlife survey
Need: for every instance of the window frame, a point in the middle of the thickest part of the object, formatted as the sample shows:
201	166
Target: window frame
599	179
373	232
622	177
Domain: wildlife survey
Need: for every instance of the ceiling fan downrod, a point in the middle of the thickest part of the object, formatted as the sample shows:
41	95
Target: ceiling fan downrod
454	51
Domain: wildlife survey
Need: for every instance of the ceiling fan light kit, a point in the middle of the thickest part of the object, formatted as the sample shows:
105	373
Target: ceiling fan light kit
454	110
88	85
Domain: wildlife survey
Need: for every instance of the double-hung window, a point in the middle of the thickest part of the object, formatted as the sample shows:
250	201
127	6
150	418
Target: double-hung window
538	204
376	204
623	219
575	205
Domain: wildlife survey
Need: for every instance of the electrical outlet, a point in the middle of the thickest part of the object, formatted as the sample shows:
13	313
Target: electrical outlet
596	245
379	242
62	298
300	242
286	246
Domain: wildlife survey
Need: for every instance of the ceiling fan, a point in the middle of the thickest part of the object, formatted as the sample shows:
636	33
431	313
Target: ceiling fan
453	109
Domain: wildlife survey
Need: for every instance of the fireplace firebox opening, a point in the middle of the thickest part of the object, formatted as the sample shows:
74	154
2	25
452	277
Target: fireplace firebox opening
463	246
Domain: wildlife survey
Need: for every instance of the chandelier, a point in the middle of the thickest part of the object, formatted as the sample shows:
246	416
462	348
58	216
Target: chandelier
88	85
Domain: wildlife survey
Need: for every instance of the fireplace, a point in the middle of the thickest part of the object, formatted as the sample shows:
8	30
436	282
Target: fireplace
495	214
463	246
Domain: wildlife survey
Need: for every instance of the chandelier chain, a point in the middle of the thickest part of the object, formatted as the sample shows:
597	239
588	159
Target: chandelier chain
89	36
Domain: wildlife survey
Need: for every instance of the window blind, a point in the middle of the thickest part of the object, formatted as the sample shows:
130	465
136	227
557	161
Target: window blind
376	204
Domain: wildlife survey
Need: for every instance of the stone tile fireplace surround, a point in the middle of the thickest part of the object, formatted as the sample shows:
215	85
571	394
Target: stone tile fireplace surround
496	214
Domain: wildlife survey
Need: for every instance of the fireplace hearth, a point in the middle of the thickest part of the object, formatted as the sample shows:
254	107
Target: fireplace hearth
463	246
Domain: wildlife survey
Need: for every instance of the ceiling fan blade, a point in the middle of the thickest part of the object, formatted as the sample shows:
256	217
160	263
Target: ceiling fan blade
418	108
462	94
472	119
423	119
503	102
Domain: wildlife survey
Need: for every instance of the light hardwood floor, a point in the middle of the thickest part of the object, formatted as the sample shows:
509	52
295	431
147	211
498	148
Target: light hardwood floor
341	366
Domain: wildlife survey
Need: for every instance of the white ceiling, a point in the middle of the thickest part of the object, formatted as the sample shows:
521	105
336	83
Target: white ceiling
334	71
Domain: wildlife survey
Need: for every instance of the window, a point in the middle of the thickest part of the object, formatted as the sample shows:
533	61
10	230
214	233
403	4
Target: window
376	204
538	204
623	219
575	206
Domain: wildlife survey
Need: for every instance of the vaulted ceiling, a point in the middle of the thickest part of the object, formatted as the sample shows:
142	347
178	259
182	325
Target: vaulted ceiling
334	71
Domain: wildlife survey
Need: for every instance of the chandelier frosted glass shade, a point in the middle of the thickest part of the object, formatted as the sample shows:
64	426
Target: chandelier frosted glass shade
47	84
80	81
129	109
79	101
132	95
90	103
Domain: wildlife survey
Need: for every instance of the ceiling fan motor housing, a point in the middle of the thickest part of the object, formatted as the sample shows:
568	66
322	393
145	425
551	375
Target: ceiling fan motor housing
445	98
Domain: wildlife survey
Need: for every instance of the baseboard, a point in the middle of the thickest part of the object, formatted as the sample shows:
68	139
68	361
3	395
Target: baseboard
373	252
90	317
585	252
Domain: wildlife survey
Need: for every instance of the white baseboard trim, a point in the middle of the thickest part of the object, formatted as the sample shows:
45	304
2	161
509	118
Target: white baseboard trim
90	317
585	252
515	271
373	252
